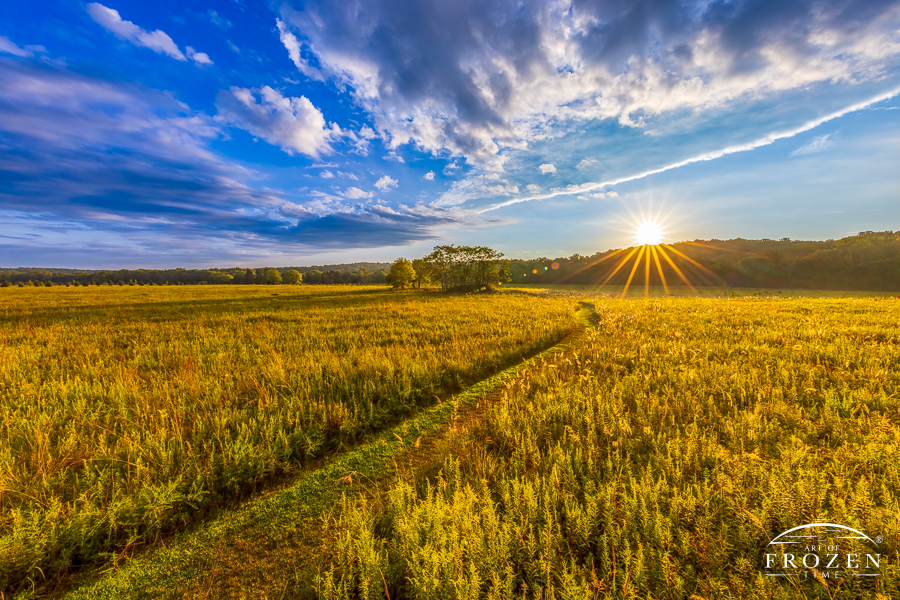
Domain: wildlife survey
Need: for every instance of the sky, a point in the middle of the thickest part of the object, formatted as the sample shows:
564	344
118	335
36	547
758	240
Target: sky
237	133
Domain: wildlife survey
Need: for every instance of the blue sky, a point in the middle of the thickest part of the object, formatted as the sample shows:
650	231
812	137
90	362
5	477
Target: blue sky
235	133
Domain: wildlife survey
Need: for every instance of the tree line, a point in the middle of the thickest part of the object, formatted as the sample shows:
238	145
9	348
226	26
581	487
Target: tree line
866	261
234	275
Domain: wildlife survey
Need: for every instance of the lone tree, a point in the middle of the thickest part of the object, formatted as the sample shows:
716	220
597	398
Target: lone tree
293	277
273	277
459	267
403	275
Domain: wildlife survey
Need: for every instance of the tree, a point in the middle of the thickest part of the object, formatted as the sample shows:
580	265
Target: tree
402	274
293	277
273	277
505	275
249	276
219	277
423	272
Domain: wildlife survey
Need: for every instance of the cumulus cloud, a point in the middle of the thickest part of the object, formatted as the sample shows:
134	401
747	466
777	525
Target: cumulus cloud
201	58
386	183
547	168
472	79
293	124
429	176
817	144
326	174
533	188
158	40
354	193
586	163
450	168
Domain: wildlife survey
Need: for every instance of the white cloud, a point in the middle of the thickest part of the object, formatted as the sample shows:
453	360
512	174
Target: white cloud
9	47
354	193
817	144
540	67
587	163
293	46
547	168
326	174
429	176
351	176
612	194
201	58
533	188
758	143
158	40
293	124
449	169
386	183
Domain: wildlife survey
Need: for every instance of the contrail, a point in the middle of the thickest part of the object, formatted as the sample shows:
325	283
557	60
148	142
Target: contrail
764	141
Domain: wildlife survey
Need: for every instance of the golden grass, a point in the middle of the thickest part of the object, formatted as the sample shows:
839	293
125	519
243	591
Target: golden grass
127	411
654	460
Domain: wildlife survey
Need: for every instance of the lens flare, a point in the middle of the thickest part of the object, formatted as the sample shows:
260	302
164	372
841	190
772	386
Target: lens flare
649	233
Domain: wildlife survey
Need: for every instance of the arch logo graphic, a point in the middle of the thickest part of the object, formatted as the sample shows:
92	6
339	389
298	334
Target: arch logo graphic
823	551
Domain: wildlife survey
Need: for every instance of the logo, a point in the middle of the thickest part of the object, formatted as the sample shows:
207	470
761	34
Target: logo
823	551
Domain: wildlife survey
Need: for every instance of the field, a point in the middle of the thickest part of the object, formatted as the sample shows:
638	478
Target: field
655	453
128	412
657	458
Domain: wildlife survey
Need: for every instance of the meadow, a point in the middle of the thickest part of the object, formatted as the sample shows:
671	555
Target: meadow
129	412
655	458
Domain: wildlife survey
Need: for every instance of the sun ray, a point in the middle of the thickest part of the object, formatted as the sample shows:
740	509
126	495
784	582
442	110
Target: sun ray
588	265
616	270
675	267
698	265
647	274
659	269
637	261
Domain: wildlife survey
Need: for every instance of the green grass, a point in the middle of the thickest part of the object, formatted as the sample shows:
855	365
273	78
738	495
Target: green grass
128	412
655	459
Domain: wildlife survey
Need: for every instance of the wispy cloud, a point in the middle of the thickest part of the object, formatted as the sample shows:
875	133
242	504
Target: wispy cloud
817	144
7	46
158	41
128	170
758	143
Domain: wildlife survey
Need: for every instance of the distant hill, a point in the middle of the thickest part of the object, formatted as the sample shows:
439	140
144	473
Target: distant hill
866	261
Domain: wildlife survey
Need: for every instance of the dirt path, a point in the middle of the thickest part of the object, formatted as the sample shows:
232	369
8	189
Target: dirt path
267	548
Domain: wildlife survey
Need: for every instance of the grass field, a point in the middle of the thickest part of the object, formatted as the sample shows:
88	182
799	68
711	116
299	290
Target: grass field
126	412
654	455
656	459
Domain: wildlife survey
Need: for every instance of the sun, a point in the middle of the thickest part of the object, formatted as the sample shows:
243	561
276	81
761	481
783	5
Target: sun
649	233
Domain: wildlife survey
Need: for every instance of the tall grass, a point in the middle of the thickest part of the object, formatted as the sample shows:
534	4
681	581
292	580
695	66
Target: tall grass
655	460
126	411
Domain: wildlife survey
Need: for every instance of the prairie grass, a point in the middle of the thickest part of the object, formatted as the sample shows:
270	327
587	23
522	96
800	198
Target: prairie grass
655	459
126	412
